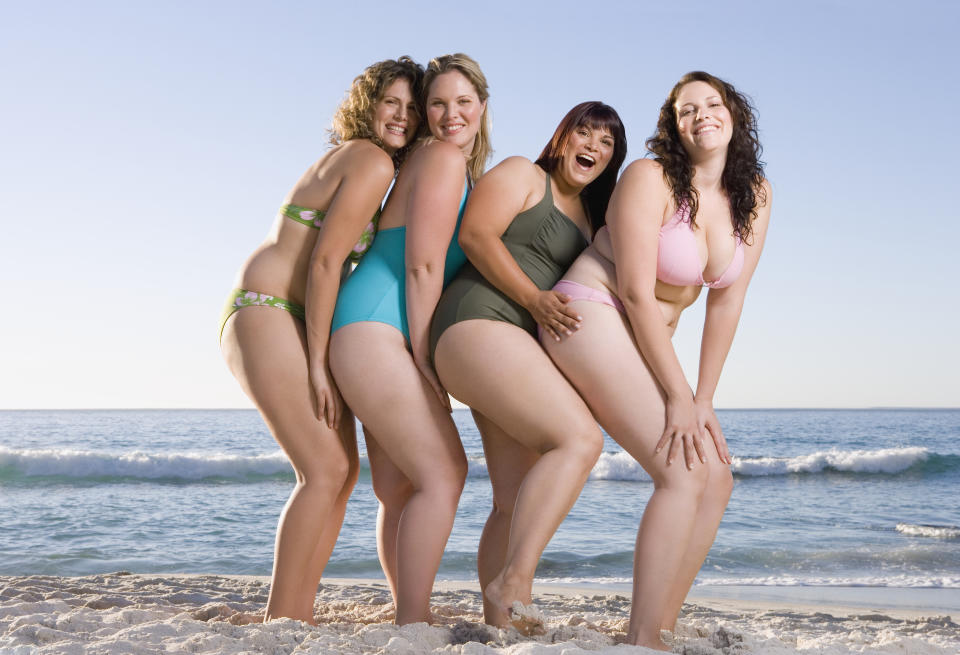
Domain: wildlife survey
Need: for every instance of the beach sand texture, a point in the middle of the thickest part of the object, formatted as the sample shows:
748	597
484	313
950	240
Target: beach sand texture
126	613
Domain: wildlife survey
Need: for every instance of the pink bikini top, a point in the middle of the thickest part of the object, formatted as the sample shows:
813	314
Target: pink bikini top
678	261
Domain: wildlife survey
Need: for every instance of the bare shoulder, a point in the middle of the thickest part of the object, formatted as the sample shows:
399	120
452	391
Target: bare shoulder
435	156
365	156
644	171
514	173
644	177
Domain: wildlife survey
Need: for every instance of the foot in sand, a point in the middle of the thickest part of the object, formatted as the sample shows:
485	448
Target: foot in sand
511	610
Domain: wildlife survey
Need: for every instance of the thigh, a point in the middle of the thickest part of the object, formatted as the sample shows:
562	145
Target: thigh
603	362
266	350
502	372
380	382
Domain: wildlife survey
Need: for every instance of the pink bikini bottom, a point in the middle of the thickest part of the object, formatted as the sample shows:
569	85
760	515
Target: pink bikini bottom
578	291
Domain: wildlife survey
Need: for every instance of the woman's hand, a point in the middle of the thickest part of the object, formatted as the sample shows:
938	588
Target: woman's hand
329	402
551	312
426	370
707	420
682	430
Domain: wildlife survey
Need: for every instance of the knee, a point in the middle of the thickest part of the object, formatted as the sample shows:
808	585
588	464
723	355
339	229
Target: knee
586	445
450	479
719	485
328	471
392	491
678	478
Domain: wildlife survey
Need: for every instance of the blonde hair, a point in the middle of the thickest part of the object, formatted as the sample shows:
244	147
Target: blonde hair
354	117
470	69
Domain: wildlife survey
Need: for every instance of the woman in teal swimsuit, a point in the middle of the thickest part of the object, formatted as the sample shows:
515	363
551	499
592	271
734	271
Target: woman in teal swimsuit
525	223
280	357
379	347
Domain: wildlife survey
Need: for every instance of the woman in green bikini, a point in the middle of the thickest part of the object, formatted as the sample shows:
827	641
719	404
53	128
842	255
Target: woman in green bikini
328	220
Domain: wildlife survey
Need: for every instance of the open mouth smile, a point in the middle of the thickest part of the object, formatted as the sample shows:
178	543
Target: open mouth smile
586	161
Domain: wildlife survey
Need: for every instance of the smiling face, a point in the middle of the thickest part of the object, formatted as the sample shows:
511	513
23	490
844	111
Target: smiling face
703	122
454	110
395	116
586	154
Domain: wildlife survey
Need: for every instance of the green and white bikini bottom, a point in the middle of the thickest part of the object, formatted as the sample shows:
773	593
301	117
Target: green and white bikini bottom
240	298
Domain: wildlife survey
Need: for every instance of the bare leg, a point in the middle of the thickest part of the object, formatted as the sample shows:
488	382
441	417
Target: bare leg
331	529
603	362
719	485
507	464
497	369
392	490
383	386
265	348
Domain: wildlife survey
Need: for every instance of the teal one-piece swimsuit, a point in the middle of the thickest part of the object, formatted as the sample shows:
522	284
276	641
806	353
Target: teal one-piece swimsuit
376	290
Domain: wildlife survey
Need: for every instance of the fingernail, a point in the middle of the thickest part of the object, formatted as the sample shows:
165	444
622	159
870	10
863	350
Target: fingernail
703	460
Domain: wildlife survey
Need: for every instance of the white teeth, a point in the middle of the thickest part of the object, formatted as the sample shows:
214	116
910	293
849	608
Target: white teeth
588	158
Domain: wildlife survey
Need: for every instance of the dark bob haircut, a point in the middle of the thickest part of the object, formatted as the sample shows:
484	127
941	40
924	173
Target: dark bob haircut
596	116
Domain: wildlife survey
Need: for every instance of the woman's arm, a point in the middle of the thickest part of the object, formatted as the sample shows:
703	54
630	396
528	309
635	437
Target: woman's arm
634	217
366	174
439	171
723	315
506	190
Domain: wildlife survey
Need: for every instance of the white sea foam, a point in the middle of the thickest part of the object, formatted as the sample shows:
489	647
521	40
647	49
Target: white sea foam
879	580
884	460
618	466
611	465
935	531
87	464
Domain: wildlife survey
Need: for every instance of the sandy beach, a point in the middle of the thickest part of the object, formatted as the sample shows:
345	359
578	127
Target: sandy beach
127	613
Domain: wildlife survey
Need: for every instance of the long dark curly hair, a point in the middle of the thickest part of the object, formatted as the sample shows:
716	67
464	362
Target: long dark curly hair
596	116
742	178
354	117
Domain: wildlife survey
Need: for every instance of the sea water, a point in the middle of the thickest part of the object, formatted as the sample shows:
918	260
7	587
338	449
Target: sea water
823	499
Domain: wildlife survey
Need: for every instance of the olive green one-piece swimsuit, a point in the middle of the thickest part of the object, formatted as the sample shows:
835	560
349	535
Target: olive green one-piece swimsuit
543	241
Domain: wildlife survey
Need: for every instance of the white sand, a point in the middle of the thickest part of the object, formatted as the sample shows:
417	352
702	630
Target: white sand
122	613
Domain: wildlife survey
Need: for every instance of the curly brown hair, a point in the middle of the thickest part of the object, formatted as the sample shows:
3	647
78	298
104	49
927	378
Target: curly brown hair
470	69
353	118
742	177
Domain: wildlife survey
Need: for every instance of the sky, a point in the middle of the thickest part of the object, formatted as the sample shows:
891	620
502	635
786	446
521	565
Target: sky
145	148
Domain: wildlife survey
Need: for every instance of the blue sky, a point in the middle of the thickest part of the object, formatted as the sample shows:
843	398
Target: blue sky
144	149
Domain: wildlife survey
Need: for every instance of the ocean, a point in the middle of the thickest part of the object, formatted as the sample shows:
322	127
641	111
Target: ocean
824	501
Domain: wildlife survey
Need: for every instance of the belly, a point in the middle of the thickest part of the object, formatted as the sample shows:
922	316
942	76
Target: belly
594	269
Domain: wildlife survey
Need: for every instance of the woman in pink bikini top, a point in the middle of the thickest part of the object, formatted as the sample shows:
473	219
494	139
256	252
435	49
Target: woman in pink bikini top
694	215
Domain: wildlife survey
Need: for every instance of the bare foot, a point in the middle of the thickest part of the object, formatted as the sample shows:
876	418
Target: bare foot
655	643
510	609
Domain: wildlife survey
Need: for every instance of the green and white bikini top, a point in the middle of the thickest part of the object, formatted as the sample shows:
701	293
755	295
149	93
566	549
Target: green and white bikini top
314	218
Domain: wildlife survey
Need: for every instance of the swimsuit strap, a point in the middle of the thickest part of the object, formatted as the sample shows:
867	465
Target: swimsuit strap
548	196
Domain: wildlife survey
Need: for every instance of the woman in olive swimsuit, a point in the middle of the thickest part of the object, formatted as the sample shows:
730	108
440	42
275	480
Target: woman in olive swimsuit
525	224
280	357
